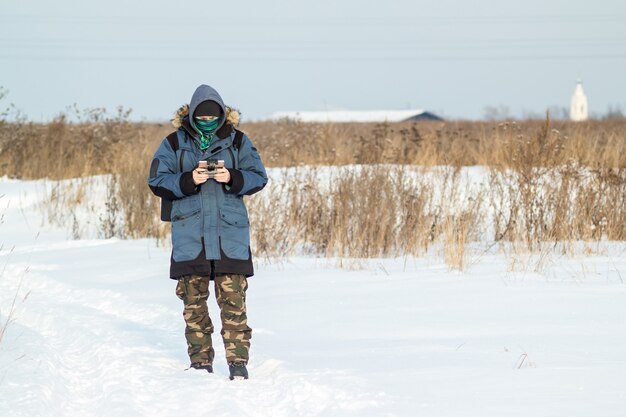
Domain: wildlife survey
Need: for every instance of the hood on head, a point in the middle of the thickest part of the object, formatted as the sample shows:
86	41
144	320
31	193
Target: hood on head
206	93
230	116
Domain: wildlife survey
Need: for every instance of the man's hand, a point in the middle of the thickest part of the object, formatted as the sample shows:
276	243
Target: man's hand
200	176
222	175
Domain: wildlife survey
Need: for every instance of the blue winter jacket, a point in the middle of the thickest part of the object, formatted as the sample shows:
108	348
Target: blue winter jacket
211	215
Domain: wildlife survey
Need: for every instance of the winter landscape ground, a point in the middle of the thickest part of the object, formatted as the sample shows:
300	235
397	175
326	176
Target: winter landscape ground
92	328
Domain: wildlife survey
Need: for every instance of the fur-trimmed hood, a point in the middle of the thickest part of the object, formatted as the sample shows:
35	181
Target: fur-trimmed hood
229	118
232	116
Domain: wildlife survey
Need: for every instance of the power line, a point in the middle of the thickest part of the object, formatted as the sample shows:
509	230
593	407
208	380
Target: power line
319	20
267	59
318	42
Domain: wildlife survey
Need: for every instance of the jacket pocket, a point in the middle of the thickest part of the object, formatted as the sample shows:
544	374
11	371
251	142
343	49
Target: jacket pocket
185	207
235	233
186	231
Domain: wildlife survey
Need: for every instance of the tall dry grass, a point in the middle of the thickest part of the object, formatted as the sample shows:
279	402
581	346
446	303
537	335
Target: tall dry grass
548	181
547	195
456	143
365	211
95	144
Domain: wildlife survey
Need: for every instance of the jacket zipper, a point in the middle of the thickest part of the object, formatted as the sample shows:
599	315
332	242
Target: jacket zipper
201	214
219	215
218	228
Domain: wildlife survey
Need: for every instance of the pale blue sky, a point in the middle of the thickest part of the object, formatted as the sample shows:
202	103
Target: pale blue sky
450	57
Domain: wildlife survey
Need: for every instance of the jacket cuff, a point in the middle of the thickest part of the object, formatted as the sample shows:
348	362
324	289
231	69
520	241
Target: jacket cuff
235	185
187	185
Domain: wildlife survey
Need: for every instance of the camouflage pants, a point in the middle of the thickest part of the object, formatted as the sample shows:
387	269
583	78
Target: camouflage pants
230	292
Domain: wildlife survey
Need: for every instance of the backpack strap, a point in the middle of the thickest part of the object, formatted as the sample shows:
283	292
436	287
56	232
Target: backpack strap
174	141
172	138
236	145
238	139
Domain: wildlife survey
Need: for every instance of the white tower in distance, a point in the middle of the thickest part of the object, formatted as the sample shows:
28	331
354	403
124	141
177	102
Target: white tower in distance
578	105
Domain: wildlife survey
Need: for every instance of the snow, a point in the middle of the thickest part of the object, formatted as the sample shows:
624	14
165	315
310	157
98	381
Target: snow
98	331
348	115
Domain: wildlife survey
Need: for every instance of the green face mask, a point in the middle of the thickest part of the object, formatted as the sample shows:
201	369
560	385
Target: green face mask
207	129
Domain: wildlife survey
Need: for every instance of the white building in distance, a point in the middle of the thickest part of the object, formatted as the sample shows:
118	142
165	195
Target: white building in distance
342	116
578	110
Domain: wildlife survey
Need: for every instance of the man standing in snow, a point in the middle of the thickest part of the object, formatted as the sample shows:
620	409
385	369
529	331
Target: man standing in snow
210	228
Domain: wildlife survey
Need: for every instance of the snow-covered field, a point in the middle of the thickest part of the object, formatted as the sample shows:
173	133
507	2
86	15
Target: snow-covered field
98	331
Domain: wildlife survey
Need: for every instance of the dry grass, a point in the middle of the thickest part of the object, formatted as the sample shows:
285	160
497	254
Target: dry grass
592	143
550	196
549	182
102	143
368	212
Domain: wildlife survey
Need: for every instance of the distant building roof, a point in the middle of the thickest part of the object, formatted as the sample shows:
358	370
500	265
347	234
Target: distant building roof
355	116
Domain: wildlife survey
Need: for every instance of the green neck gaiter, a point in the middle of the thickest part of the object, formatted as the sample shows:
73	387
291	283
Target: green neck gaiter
206	129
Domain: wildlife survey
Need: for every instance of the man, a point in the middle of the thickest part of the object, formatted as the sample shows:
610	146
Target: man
210	227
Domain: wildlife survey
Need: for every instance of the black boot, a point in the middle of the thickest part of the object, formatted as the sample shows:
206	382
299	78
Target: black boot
207	367
237	370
